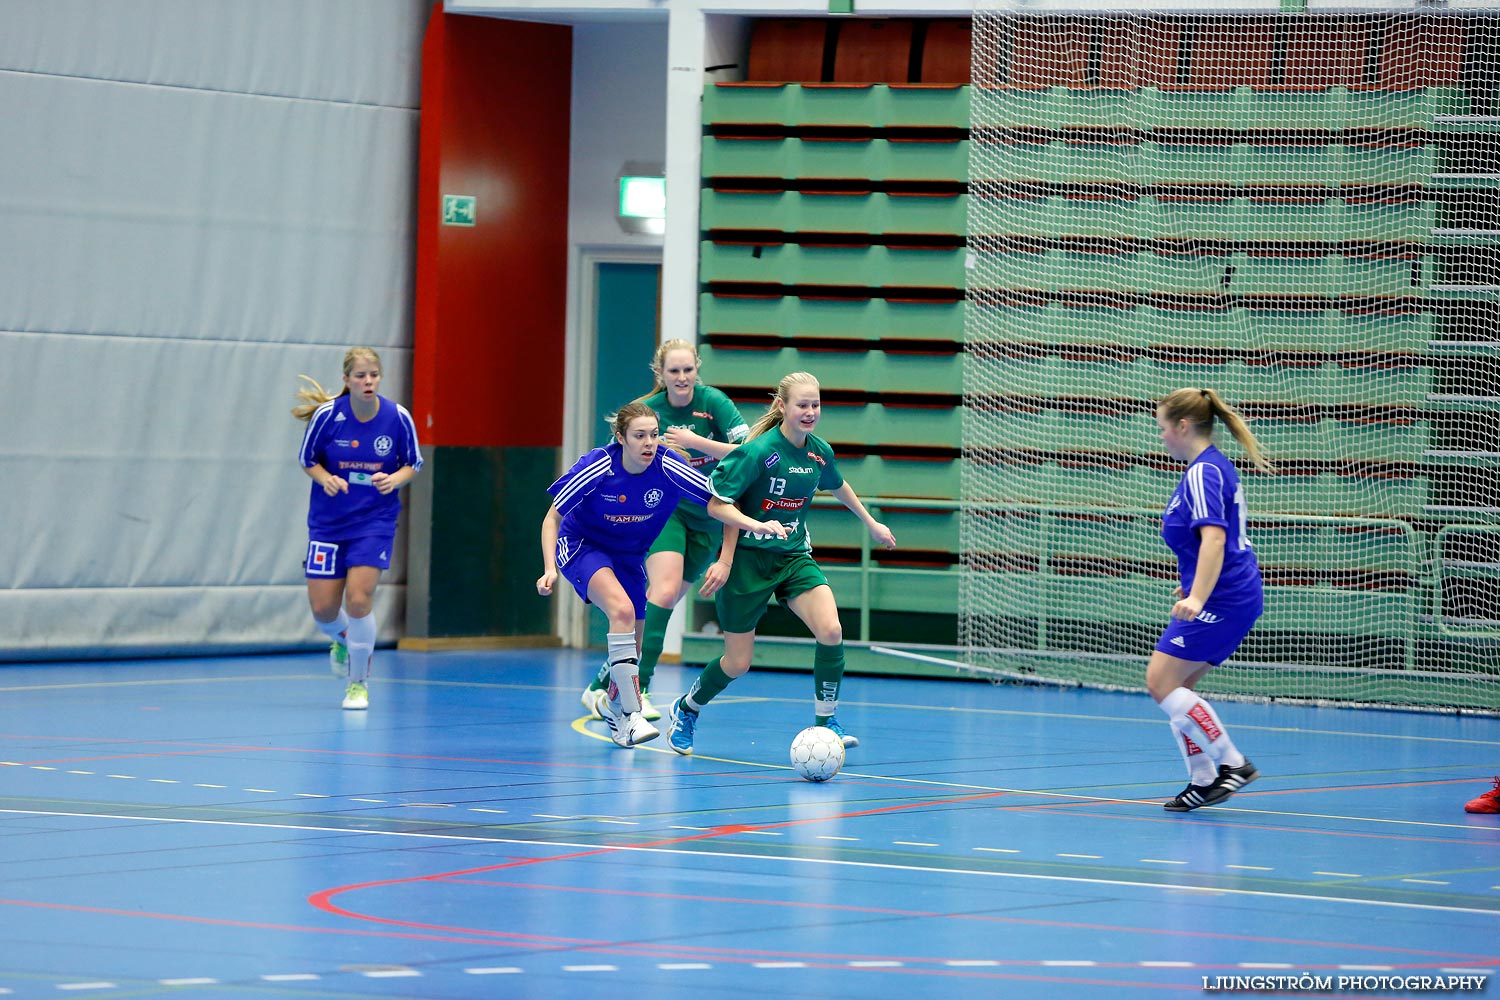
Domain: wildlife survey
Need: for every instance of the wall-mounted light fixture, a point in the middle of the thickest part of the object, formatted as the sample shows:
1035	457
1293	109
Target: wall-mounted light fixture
643	199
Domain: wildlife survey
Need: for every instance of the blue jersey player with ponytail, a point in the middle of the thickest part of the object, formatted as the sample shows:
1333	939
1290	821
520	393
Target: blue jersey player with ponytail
359	449
606	512
1219	594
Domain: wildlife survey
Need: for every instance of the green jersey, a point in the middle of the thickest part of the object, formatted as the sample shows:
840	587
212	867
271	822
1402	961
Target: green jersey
709	414
770	479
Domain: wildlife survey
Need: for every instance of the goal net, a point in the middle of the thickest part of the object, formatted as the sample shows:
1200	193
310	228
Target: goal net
1300	211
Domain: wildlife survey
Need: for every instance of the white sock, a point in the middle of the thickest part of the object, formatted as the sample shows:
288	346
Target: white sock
624	671
361	639
334	629
1194	717
1200	767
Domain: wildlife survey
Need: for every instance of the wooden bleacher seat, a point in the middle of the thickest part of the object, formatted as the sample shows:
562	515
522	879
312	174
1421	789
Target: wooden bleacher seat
787	50
873	51
946	52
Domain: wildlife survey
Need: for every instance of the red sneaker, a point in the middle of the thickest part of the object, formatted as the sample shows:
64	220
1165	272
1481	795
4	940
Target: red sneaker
1489	802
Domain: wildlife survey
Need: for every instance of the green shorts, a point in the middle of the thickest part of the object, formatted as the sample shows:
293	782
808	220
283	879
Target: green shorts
756	576
699	548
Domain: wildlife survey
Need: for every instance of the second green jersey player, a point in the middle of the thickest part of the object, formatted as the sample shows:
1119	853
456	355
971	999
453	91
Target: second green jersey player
703	423
773	477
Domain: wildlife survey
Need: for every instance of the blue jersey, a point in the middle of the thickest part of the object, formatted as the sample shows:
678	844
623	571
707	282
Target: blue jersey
354	452
1210	493
614	510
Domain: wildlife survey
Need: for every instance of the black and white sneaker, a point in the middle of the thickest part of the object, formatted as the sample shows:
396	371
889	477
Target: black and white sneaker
1188	799
1229	781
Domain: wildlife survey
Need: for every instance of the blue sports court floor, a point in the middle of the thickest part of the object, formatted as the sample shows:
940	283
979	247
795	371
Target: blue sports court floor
219	828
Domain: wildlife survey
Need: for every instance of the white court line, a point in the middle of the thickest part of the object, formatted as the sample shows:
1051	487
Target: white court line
504	970
831	862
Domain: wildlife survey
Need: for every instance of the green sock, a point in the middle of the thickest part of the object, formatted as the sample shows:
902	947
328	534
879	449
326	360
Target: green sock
652	641
709	685
828	674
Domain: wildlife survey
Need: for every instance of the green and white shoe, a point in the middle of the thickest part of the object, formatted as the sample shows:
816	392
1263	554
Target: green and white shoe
356	697
338	658
649	712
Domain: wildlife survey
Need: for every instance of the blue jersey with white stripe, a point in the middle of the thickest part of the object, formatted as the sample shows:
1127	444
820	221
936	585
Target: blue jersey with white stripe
1210	493
621	512
355	451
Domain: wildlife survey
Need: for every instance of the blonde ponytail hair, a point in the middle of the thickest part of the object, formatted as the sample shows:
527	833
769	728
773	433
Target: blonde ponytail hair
777	412
1199	407
314	395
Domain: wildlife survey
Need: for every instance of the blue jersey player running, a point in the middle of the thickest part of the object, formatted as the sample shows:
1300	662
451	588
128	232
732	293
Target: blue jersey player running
1219	594
606	511
703	422
359	449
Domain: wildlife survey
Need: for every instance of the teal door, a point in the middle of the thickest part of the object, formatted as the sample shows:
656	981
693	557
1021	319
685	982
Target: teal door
628	308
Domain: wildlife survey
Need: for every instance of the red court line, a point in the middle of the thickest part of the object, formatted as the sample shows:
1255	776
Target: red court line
323	899
484	937
1446	956
117	756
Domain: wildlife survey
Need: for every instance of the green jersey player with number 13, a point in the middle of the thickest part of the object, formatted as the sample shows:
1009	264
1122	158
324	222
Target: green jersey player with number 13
772	477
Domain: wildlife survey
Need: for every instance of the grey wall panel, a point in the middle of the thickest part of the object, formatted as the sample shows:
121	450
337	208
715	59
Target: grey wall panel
199	199
166	462
147	211
352	51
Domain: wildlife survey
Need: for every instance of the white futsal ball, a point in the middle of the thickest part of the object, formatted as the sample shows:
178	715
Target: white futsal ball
817	753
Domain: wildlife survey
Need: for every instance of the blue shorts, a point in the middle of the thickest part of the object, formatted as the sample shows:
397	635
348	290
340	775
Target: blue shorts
1213	636
578	561
330	560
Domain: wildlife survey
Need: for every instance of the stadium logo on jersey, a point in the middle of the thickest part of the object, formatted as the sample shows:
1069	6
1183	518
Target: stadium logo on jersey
383	445
816	457
653	497
783	504
626	518
772	459
346	443
800	469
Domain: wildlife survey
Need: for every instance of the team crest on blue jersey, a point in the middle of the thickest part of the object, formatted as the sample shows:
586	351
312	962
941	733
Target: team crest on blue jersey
383	445
653	497
772	459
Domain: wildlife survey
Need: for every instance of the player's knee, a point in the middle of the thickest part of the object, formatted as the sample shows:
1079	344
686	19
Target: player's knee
830	634
664	595
734	666
358	605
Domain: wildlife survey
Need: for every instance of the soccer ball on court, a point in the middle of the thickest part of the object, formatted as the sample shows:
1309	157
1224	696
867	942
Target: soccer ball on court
817	753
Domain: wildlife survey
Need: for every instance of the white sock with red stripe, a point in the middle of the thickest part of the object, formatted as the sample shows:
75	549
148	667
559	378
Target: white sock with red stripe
624	670
1195	718
1200	767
